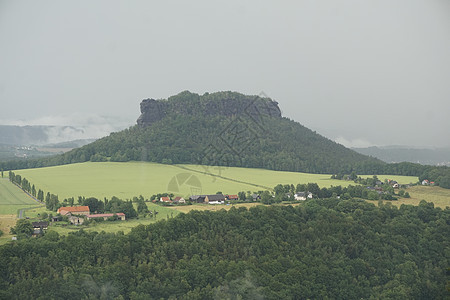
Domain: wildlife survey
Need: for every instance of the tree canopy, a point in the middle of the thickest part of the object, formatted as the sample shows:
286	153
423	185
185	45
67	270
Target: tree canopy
340	249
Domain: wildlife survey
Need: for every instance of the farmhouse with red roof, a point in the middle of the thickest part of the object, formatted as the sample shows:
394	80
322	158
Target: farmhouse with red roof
165	199
74	210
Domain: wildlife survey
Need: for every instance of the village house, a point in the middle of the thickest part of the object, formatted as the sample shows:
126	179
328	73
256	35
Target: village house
215	199
197	198
39	227
256	197
75	220
179	200
120	216
75	214
165	199
301	196
394	184
74	210
231	197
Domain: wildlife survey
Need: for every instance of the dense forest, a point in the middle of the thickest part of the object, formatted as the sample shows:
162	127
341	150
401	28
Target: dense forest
240	140
285	145
338	249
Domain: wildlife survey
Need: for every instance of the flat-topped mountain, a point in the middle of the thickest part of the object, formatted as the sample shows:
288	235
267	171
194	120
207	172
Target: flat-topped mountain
225	104
220	129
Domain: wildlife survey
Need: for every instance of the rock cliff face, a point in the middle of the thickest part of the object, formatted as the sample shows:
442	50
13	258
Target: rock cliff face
151	111
225	104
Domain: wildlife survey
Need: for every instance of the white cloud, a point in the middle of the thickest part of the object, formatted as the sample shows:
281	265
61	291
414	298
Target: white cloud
75	126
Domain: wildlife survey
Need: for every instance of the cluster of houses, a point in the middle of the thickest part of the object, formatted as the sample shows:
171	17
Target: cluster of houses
39	227
392	183
427	182
209	199
78	214
176	200
302	196
219	198
222	199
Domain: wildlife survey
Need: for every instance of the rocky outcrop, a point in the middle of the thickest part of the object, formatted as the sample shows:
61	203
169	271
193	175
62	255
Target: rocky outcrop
151	111
225	104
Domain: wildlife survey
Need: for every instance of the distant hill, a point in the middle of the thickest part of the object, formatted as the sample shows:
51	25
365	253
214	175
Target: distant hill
26	151
396	154
70	144
35	135
225	129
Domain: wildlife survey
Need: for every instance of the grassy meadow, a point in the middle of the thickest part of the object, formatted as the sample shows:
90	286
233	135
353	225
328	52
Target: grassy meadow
126	180
439	196
129	179
6	222
12	199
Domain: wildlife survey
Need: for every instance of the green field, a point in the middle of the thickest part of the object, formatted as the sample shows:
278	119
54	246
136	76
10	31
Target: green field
12	198
439	196
126	180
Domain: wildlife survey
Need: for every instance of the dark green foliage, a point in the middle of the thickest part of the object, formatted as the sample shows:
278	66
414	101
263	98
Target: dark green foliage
95	206
23	228
44	216
40	195
142	207
52	202
159	195
323	249
444	181
116	205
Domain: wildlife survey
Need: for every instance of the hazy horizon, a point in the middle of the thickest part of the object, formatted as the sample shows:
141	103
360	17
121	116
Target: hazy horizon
362	74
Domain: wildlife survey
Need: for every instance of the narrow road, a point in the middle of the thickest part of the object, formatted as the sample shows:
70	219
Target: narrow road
29	195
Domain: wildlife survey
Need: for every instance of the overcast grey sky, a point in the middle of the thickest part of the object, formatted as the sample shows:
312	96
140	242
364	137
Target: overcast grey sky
359	72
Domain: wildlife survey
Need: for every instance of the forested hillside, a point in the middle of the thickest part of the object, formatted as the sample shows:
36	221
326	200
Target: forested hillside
284	145
229	129
335	249
225	128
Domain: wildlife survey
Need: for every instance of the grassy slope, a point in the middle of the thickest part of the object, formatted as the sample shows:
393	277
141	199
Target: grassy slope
439	196
133	178
6	222
12	198
126	180
123	180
